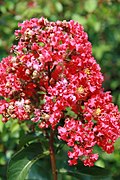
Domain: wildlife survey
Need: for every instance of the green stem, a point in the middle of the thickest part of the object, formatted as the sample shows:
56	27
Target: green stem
52	155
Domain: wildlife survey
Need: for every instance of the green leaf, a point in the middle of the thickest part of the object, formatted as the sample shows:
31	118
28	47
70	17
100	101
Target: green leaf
41	44
41	92
87	173
114	84
90	5
79	18
59	6
1	124
14	127
20	164
42	102
41	170
70	113
28	138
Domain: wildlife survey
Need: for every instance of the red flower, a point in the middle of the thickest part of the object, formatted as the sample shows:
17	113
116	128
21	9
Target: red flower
53	78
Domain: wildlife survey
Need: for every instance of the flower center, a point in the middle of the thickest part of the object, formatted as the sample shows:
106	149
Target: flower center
98	111
87	71
80	90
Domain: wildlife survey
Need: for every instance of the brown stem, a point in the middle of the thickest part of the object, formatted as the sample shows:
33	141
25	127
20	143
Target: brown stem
52	155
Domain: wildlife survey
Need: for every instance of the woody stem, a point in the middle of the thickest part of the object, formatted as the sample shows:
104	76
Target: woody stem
52	155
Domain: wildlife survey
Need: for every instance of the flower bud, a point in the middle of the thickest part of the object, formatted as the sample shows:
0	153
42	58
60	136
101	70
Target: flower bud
35	74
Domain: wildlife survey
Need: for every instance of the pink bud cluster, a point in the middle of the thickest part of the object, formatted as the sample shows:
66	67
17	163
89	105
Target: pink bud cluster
52	70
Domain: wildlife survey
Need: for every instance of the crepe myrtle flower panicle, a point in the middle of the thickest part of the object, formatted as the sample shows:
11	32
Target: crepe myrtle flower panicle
52	80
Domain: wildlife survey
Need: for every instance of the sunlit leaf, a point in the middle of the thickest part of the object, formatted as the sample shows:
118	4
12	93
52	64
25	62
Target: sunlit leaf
90	5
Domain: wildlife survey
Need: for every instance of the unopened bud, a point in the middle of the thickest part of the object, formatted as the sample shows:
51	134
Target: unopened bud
45	116
27	72
28	32
13	59
22	94
13	116
8	84
52	81
13	69
11	107
35	74
27	108
25	116
27	101
4	119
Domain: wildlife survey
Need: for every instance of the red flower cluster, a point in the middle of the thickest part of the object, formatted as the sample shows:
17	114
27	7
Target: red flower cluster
53	79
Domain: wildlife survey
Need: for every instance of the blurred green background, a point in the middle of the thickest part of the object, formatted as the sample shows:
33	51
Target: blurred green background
101	20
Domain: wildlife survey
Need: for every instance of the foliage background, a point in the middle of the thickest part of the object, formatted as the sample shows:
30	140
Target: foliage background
101	20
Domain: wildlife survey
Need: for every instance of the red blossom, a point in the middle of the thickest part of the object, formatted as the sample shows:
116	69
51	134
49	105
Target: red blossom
53	70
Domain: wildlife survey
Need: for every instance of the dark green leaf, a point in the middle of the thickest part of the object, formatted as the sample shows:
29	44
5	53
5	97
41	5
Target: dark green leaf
27	138
41	170
87	173
20	164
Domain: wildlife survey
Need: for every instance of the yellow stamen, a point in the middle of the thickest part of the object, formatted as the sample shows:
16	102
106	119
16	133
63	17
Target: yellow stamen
80	89
87	71
98	111
45	116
